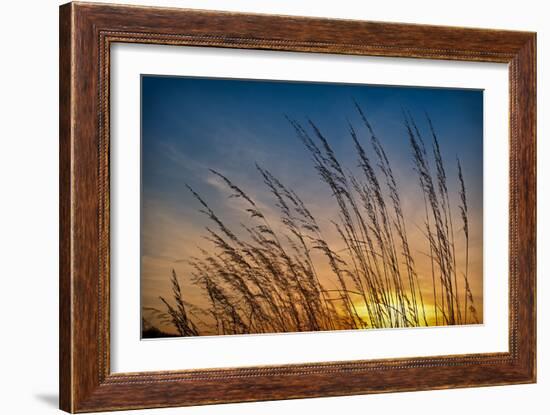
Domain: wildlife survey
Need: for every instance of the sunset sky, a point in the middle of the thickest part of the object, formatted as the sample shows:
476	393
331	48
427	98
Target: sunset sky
190	125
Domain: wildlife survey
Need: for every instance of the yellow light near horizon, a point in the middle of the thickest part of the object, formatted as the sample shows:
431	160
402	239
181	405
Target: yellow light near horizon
428	310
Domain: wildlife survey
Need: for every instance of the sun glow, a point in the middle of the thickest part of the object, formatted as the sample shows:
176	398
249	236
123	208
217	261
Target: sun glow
427	313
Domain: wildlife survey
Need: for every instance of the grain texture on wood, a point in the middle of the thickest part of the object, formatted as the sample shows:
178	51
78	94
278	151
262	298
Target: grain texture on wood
65	137
86	33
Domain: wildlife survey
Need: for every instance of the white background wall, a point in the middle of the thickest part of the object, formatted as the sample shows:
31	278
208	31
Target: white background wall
29	207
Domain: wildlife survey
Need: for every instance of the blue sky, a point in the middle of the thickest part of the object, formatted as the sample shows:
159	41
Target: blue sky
229	125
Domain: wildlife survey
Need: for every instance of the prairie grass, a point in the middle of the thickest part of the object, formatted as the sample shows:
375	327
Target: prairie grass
264	278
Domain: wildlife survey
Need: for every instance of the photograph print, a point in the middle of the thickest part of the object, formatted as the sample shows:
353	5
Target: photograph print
280	207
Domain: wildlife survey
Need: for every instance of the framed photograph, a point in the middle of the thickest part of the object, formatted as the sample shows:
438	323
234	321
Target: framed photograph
258	207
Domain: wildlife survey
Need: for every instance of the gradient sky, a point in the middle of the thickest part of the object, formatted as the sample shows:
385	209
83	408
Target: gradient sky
192	124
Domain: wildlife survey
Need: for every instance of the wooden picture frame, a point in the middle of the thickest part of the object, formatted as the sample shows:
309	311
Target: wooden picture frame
86	33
